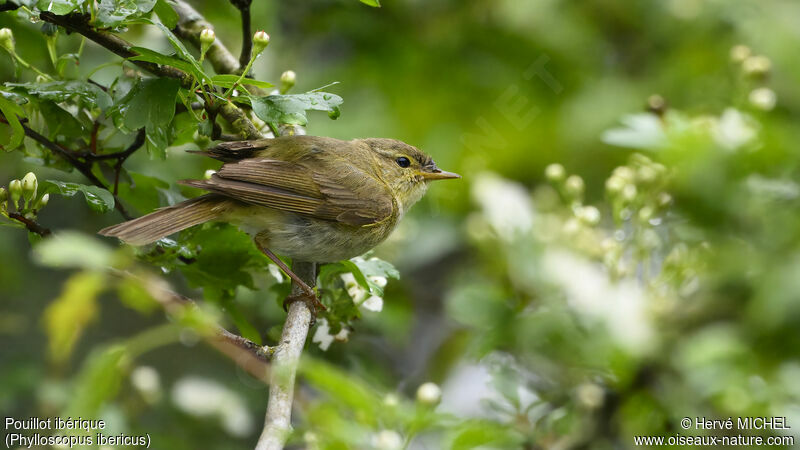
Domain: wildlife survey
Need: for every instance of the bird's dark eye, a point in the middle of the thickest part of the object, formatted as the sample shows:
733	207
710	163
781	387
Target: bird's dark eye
403	162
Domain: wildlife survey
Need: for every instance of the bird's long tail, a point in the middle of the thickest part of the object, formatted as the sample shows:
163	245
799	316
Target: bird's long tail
165	221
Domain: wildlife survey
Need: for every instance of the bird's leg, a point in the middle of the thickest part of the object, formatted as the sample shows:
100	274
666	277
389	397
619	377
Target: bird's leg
307	295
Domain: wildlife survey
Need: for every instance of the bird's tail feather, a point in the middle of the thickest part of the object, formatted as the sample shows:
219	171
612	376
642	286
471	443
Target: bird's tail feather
165	221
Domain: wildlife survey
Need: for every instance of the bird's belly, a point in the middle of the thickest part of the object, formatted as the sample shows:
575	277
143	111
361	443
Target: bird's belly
309	239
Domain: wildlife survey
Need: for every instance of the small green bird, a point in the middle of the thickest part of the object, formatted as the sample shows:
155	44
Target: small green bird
314	199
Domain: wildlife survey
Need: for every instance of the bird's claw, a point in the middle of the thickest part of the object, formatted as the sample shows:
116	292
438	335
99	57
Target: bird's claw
310	299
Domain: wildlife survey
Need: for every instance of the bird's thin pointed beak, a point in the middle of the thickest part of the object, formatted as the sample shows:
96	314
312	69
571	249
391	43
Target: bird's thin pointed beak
437	174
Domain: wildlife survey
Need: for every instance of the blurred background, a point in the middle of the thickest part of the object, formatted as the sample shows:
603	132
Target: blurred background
623	250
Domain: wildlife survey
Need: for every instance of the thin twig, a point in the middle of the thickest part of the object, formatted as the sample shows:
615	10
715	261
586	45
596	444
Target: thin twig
277	423
190	25
8	6
79	23
32	225
73	159
247	32
244	352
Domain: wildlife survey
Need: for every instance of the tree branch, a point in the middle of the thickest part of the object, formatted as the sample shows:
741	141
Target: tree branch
8	6
73	160
78	23
32	225
245	353
247	32
190	25
277	423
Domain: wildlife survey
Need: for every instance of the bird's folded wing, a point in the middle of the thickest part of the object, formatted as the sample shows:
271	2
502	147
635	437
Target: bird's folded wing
348	196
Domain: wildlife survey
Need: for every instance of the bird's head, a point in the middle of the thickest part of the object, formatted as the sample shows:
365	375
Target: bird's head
406	169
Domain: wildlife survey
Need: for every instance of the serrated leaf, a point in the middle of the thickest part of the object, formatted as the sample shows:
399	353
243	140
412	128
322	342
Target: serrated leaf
60	123
86	94
150	103
112	13
291	108
183	52
58	7
166	14
98	199
67	316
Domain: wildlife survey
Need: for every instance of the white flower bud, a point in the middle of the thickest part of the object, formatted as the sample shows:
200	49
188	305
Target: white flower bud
574	186
629	192
590	395
7	39
757	66
42	202
288	80
588	215
614	184
387	440
29	186
208	174
739	53
15	189
624	172
429	394
646	174
555	172
147	381
380	281
207	37
391	400
260	42
763	98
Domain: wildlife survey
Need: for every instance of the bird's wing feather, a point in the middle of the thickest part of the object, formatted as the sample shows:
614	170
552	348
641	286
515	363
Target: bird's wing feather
348	196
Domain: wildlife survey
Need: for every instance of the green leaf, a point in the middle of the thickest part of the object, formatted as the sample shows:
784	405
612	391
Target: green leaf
86	94
67	316
73	249
99	380
58	7
112	13
151	103
341	386
60	123
485	434
225	258
228	81
373	3
166	14
98	199
11	111
183	52
292	108
145	54
143	192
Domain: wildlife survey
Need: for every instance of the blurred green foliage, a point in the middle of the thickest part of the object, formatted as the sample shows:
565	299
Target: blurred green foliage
621	253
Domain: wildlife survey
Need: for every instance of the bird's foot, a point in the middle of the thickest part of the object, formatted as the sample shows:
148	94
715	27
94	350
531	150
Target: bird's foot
310	299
